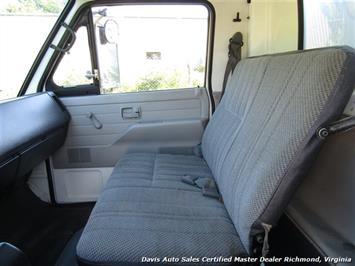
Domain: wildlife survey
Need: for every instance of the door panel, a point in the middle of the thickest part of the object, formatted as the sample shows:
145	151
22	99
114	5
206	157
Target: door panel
170	121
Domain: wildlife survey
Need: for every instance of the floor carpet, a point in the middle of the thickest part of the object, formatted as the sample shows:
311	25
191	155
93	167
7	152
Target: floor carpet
39	229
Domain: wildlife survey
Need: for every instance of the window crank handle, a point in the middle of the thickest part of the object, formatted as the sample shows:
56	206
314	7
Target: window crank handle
96	122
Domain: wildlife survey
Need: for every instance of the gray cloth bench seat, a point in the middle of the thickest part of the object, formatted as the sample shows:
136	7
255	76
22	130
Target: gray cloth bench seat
131	223
145	199
257	146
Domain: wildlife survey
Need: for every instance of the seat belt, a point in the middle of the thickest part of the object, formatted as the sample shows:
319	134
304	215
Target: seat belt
266	247
234	56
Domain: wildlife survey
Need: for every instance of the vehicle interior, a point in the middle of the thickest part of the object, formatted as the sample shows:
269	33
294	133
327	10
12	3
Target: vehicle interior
184	133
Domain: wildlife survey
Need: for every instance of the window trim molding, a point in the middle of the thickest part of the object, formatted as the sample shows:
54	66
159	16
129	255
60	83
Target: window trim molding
47	81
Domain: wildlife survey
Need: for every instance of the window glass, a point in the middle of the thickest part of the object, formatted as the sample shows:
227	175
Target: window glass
75	67
24	26
329	23
151	47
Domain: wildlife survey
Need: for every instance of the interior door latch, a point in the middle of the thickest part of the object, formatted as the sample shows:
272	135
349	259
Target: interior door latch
131	112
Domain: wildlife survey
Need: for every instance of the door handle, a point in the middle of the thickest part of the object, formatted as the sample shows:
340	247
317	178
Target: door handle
96	122
131	112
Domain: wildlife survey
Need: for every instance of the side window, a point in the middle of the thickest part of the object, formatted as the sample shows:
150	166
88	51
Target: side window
75	67
328	23
151	47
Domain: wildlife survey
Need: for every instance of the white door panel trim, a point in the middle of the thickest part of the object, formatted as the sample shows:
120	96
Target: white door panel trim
79	185
169	121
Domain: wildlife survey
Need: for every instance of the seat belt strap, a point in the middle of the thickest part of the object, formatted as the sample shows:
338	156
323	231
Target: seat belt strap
234	56
341	125
266	248
211	192
197	150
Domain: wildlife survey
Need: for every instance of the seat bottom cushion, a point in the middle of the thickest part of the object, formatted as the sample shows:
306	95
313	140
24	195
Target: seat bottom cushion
157	170
145	211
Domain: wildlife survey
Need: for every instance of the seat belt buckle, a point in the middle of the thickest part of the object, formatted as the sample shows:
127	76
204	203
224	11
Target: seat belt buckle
190	180
202	182
206	184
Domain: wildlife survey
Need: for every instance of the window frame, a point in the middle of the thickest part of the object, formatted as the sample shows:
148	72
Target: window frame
303	27
83	89
46	82
151	3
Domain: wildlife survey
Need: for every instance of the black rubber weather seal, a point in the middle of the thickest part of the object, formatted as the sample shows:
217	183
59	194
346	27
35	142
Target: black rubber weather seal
300	9
50	183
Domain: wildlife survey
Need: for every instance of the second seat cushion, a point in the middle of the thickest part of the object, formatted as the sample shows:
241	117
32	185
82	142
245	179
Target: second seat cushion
157	170
146	211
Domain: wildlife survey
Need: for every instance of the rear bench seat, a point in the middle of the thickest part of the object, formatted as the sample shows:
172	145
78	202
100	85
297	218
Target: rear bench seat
257	146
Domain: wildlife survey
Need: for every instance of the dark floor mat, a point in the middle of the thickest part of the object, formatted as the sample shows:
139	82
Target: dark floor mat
68	256
37	228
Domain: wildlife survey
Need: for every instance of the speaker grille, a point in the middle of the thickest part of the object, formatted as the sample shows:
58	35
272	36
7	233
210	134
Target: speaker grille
81	155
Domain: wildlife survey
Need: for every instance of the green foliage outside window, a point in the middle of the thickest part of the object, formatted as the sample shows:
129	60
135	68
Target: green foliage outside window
158	81
36	6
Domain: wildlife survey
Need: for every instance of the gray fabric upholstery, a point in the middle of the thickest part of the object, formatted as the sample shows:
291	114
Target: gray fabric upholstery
257	145
265	126
145	210
158	170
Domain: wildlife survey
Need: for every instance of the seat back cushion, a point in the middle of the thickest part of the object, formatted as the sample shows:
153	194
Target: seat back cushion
262	137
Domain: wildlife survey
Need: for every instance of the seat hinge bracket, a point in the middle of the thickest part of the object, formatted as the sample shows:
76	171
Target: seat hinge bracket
341	125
